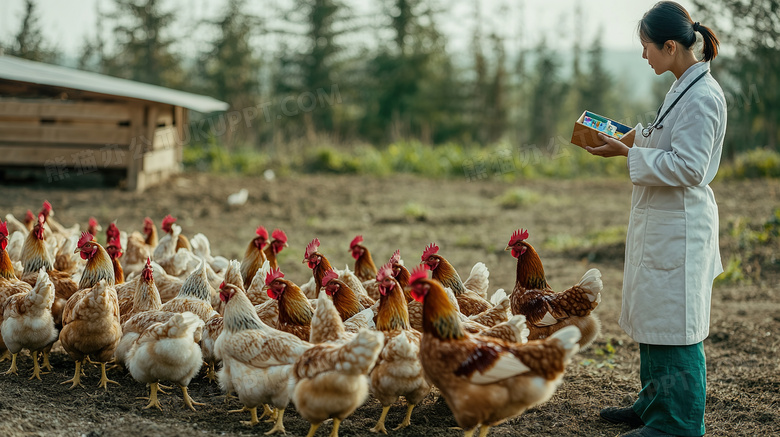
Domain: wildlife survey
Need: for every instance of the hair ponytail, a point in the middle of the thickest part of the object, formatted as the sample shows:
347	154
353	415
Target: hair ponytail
710	41
668	20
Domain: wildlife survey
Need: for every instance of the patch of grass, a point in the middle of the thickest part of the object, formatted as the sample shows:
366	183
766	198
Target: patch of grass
516	198
756	163
597	238
415	211
605	356
733	272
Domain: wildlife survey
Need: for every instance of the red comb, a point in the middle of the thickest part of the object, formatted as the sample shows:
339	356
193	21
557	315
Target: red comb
518	235
86	237
396	257
355	241
112	230
386	271
279	234
261	232
93	222
168	220
29	216
148	262
4	229
329	276
419	272
432	249
272	275
311	248
148	221
46	206
41	219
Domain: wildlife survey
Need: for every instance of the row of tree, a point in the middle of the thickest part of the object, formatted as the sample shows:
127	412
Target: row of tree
409	86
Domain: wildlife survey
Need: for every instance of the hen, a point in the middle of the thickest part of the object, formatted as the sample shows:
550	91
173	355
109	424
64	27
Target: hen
9	283
364	264
167	352
256	359
91	328
278	243
318	264
344	298
254	256
194	296
330	379
181	241
400	273
471	300
141	246
27	322
398	371
295	311
545	310
115	252
485	381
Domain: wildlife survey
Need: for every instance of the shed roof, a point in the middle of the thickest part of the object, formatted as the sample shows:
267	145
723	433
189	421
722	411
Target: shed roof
22	70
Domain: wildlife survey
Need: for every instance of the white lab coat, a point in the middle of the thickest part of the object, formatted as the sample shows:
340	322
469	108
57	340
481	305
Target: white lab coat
672	253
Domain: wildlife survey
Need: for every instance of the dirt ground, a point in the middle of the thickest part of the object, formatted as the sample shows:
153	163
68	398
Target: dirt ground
407	212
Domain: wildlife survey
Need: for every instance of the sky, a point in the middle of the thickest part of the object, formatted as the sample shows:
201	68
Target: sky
521	22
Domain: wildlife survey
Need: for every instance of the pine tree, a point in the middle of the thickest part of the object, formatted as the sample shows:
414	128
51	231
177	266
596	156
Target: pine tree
29	42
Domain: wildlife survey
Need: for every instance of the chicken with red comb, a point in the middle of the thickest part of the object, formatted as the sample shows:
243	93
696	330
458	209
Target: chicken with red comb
254	257
470	298
277	244
365	269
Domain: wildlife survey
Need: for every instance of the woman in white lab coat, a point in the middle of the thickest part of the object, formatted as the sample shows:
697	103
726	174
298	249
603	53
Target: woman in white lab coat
672	251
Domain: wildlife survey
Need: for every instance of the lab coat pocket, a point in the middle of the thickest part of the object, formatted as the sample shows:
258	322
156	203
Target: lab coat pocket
664	245
636	236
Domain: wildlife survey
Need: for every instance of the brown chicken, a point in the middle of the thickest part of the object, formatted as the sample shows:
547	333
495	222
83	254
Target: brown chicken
295	311
141	246
145	296
364	264
182	242
330	379
469	301
485	381
344	298
27	322
254	256
9	283
99	266
318	264
545	310
398	371
91	329
278	243
115	252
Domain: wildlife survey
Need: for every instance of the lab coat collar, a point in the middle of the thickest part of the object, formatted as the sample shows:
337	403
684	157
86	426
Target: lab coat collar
691	73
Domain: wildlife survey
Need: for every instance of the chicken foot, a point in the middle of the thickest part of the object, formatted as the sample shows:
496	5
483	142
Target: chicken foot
153	401
335	431
36	368
313	429
253	420
380	424
103	378
188	401
46	364
408	419
270	412
76	380
211	375
279	424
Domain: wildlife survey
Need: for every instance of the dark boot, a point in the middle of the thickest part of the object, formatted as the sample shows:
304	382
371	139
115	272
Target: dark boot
621	416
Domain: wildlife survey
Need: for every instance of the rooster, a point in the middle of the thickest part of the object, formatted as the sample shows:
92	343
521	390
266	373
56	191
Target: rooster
471	299
318	264
27	322
398	371
141	246
364	264
91	328
254	256
278	243
485	381
330	379
295	311
545	310
256	359
115	252
167	352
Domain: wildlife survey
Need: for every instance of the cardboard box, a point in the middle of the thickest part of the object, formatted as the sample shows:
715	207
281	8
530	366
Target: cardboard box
588	136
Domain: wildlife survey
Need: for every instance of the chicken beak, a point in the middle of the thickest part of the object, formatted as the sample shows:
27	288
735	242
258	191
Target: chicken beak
78	249
508	247
286	245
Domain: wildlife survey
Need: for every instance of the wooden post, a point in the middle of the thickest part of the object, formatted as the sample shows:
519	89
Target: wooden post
135	155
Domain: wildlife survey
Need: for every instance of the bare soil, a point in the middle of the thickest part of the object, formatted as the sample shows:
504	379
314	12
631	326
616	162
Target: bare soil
469	226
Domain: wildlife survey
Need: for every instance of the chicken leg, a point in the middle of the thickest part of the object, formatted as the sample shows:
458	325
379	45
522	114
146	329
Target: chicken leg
103	378
188	401
380	424
335	431
76	380
270	412
46	364
153	402
253	420
279	424
36	368
313	429
13	369
408	419
483	432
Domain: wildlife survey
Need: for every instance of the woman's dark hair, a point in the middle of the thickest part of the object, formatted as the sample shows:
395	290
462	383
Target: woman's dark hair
668	20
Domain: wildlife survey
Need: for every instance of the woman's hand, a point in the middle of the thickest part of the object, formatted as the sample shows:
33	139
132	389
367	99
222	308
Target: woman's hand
610	148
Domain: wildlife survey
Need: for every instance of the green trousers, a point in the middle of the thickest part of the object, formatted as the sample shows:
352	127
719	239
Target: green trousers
674	386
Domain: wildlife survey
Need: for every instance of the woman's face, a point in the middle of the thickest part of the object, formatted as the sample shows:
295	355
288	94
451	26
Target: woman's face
659	59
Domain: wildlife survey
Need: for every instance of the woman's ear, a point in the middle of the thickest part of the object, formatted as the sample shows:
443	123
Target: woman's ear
670	47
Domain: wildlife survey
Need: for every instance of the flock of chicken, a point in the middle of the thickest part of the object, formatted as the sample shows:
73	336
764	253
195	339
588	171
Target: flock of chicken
324	345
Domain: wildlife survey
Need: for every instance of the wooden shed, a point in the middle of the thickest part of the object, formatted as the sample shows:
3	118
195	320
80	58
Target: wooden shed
73	122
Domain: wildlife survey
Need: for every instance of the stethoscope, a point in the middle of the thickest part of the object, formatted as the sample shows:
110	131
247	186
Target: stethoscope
658	122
